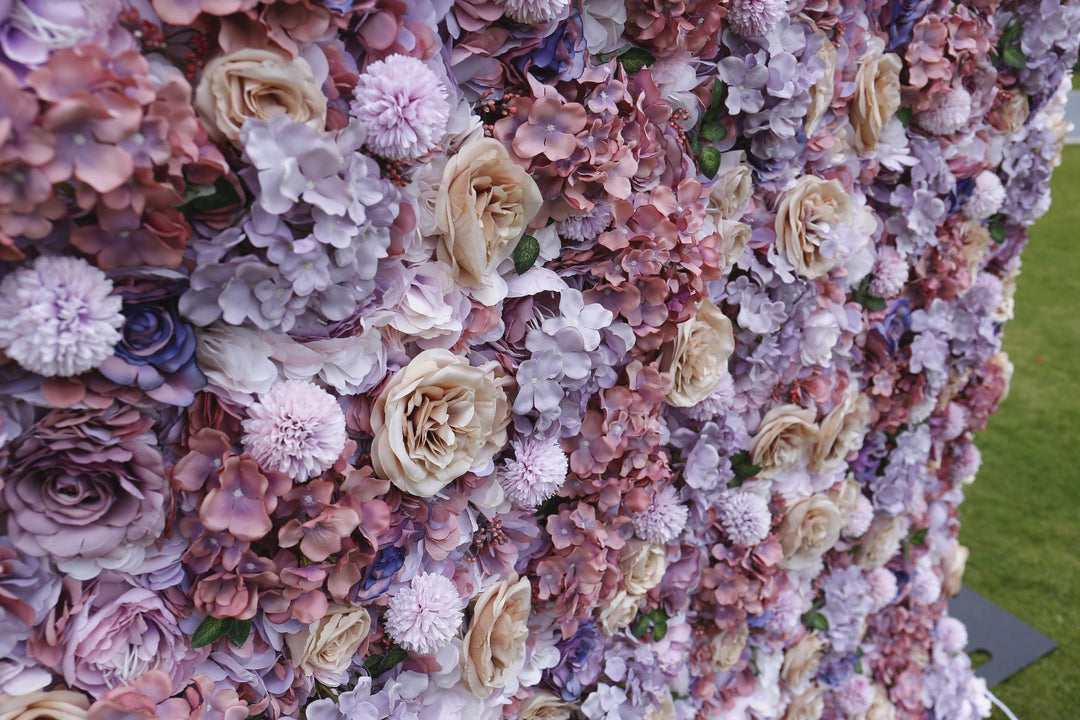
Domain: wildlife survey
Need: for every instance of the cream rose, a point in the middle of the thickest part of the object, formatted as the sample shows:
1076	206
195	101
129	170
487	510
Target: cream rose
810	705
619	611
881	708
483	204
1013	113
809	529
842	431
877	94
664	711
643	565
881	542
785	436
545	705
493	651
953	564
803	216
732	189
54	705
975	241
257	83
437	418
734	236
727	647
698	358
327	648
802	659
846	498
821	92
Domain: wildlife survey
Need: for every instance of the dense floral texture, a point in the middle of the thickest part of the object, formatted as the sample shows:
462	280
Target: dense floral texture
520	359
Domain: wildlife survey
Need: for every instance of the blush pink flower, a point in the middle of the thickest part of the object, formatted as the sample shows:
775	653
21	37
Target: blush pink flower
754	18
242	504
424	616
534	12
403	106
297	429
550	129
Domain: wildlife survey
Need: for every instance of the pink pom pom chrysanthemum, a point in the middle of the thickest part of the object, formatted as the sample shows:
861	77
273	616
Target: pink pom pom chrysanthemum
951	113
533	12
58	316
890	273
536	472
403	106
297	428
426	615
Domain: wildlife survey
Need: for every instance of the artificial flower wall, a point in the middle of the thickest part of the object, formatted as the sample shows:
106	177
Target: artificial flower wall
534	359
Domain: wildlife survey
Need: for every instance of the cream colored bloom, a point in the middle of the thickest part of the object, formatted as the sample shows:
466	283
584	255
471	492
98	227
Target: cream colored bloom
877	94
842	431
42	705
618	611
734	236
643	566
257	83
493	651
327	648
802	659
1014	112
732	189
846	498
437	418
810	705
953	564
484	203
698	360
727	647
804	215
809	529
975	241
821	92
784	438
544	705
881	542
881	708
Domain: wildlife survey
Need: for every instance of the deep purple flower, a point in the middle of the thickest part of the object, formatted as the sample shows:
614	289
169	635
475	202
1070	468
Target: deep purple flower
579	663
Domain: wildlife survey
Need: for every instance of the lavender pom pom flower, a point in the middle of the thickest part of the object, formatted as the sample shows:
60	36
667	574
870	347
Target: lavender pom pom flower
745	517
664	520
537	471
403	106
426	615
57	316
754	18
297	428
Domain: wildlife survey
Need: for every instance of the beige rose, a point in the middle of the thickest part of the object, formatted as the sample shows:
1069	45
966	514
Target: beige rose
802	659
881	542
327	648
1004	312
483	205
1001	360
257	83
494	646
881	708
727	647
821	92
618	611
437	418
734	236
545	705
54	705
664	711
846	498
698	360
1013	113
809	529
974	241
842	431
732	189
785	436
643	565
953	565
803	210
877	94
810	705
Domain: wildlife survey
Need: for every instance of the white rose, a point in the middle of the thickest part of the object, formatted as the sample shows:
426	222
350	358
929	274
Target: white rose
842	431
809	529
618	611
698	358
436	419
881	542
727	647
802	659
545	705
327	648
643	566
732	189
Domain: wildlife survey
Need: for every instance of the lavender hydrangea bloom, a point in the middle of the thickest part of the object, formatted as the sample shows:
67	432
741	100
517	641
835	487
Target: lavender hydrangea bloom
579	665
847	605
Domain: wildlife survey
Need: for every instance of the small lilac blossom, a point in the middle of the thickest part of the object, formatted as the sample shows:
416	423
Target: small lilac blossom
425	615
58	316
403	106
297	428
536	472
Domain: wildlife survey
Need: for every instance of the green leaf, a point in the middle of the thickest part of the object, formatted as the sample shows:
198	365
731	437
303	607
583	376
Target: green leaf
1014	57
709	161
714	131
1012	34
658	615
525	254
636	58
604	57
740	463
659	630
207	198
919	537
376	664
716	101
997	231
640	626
874	304
238	631
904	116
210	630
815	621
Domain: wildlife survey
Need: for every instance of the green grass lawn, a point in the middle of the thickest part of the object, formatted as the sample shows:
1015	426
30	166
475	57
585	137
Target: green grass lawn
1020	518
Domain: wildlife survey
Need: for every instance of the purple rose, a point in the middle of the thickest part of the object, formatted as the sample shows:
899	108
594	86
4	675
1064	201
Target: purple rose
121	631
157	351
579	665
87	489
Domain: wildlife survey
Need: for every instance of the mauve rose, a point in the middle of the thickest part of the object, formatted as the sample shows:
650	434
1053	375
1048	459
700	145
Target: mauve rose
86	489
120	631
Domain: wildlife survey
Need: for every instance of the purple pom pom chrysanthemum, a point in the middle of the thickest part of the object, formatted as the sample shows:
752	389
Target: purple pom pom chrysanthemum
297	428
533	12
662	521
745	517
988	197
950	114
57	316
403	105
754	18
890	273
537	471
424	616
